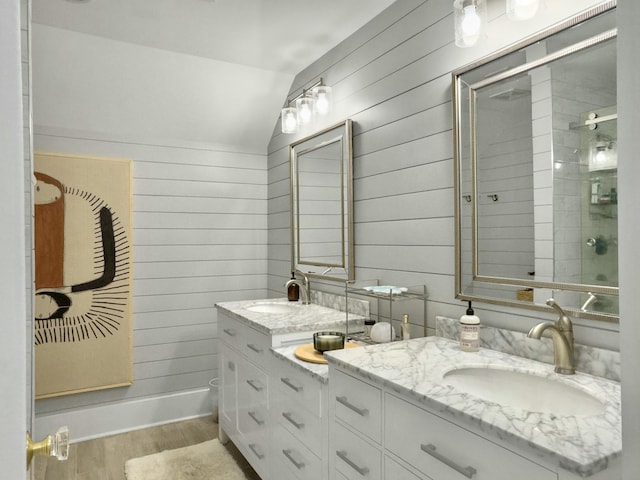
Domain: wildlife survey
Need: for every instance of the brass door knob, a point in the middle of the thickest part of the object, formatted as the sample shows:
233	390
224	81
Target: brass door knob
56	445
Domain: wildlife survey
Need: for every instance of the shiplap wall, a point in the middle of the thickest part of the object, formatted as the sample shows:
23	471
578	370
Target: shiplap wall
393	78
199	237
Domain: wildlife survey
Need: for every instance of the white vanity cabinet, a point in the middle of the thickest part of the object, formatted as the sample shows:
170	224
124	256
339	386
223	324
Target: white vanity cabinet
273	412
377	434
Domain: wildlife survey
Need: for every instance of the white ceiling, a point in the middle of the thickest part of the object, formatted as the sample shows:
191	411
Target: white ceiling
280	35
256	42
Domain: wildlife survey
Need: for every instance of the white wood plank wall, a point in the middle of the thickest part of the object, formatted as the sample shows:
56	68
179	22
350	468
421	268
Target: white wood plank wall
393	79
199	236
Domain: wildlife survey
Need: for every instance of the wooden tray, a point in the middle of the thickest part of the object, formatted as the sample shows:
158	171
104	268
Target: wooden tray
307	353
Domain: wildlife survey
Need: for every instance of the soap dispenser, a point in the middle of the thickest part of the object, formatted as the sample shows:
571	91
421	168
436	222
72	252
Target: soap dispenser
469	331
293	290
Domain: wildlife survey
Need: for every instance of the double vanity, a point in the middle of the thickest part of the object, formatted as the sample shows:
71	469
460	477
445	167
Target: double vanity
415	409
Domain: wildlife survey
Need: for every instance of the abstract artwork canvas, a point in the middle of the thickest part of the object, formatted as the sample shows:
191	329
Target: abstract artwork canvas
83	274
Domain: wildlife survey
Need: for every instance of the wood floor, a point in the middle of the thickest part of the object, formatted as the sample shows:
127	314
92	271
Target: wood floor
104	458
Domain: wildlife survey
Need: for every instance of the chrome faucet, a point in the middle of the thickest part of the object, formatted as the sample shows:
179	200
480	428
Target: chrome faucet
562	336
592	298
305	287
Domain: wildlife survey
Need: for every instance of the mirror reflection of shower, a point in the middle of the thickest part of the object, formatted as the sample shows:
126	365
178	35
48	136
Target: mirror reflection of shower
599	217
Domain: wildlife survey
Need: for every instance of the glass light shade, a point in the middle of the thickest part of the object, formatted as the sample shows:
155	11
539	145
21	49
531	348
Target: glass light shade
470	18
305	110
323	99
522	9
289	119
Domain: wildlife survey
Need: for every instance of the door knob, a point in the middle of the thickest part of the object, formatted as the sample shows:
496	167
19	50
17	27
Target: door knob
56	445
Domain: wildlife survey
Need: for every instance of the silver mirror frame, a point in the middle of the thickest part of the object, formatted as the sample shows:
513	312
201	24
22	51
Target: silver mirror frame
346	268
457	98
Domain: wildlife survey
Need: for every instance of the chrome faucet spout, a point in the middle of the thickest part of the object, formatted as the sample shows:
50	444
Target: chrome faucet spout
562	336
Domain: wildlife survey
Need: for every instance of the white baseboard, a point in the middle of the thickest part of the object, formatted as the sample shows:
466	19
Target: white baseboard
109	419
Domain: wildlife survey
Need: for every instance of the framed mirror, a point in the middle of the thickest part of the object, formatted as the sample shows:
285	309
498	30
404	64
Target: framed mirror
535	162
322	204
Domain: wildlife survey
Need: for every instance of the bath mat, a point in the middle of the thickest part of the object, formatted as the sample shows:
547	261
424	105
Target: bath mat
203	461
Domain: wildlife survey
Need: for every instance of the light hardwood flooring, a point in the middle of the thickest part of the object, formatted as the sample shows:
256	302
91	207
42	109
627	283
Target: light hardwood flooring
104	458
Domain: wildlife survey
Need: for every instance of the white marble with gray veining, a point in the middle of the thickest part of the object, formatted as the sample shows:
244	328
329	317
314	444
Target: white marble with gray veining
317	371
594	361
302	317
584	445
339	302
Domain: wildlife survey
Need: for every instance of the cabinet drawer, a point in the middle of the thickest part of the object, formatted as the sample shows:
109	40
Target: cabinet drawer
255	346
394	471
358	404
355	458
306	426
253	385
230	331
298	459
299	388
252	399
257	453
443	450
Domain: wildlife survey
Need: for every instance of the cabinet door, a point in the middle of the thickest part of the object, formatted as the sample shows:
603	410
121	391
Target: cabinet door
228	389
445	451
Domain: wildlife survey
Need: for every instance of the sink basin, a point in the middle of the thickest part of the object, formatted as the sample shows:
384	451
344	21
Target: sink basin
273	308
526	391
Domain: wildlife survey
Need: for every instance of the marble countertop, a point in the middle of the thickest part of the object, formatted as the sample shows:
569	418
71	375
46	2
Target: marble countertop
301	318
581	444
317	371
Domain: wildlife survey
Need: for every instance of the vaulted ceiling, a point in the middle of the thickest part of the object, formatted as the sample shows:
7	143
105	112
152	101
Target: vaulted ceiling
215	71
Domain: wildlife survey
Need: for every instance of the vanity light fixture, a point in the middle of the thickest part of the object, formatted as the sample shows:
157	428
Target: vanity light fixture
306	110
470	18
289	118
323	98
302	110
522	9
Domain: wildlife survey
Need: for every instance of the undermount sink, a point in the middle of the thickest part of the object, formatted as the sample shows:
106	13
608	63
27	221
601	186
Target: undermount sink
526	391
272	308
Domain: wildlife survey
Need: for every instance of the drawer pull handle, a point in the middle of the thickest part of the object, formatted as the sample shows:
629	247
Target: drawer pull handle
290	384
231	366
468	472
298	425
253	347
363	412
361	470
255	417
230	331
256	451
255	385
288	453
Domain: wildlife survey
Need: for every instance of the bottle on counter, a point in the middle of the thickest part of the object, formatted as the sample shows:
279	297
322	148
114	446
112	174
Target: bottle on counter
406	332
469	331
293	290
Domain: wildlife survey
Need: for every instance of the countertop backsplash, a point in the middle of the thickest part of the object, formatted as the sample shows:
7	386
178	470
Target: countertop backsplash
591	360
339	302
